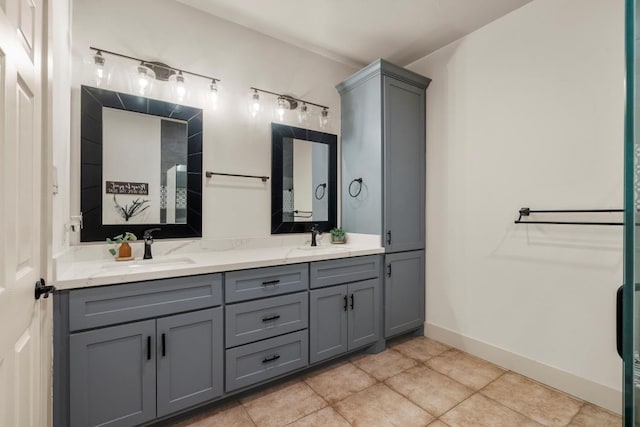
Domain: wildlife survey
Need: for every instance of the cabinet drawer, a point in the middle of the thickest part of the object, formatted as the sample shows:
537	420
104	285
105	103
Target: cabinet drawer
265	282
90	308
252	363
337	271
256	320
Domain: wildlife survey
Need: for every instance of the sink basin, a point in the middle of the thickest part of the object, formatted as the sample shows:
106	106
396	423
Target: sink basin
141	264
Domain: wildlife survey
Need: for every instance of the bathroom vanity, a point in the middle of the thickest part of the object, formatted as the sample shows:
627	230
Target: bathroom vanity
139	342
131	352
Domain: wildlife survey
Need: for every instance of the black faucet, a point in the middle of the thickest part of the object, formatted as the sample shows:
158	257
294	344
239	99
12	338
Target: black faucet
148	241
314	232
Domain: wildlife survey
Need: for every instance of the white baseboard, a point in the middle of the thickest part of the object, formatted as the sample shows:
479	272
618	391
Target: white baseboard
584	389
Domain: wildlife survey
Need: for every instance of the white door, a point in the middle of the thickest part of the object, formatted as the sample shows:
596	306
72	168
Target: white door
24	389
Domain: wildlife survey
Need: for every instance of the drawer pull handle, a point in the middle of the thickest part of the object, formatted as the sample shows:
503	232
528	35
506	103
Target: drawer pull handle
270	318
271	358
149	348
164	345
345	303
271	282
352	302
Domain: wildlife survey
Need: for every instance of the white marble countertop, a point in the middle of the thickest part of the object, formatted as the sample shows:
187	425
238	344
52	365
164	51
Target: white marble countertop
91	265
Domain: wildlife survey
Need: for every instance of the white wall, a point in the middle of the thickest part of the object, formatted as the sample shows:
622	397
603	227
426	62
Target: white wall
233	142
60	39
528	111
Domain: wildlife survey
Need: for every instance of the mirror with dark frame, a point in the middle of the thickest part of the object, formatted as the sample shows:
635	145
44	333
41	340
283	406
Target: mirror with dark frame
303	179
141	166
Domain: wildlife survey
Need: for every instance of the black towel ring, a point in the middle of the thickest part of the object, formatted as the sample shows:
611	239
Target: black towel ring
359	181
324	190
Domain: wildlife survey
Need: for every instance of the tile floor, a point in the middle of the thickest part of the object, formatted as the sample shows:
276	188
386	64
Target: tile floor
415	382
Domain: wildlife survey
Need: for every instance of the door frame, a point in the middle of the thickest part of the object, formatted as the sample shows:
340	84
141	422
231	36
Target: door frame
629	216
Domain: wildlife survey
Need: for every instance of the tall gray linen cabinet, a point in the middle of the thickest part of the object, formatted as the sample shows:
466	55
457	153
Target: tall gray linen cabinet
383	180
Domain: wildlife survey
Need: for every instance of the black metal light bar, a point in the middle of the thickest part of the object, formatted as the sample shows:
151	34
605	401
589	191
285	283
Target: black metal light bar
289	97
525	212
153	64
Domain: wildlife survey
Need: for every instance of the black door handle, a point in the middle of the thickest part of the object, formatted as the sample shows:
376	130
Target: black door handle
389	270
42	289
345	303
352	302
619	294
149	348
389	237
164	345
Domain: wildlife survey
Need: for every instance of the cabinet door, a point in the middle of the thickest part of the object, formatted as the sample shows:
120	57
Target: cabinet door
361	146
404	166
190	352
113	375
364	313
328	322
403	292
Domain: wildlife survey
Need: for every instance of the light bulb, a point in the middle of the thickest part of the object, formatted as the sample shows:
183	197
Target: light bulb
178	86
303	114
324	118
145	79
255	103
213	94
280	109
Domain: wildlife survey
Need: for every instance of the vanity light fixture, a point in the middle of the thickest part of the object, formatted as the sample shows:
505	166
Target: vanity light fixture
288	102
213	94
303	114
178	87
146	72
280	109
324	118
255	103
145	78
101	74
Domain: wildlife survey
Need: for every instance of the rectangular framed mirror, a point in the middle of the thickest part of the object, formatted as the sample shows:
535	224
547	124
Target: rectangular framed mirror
303	179
141	166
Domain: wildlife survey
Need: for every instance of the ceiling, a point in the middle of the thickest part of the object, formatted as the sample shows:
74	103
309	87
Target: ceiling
357	32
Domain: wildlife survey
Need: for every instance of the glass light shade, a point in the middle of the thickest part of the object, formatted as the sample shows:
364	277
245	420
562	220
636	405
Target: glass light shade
213	95
303	114
98	70
281	108
324	118
254	106
143	79
178	86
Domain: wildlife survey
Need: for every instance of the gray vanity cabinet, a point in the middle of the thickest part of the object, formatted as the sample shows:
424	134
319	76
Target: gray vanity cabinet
113	375
383	143
127	354
384	147
328	309
343	318
404	165
189	359
403	292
